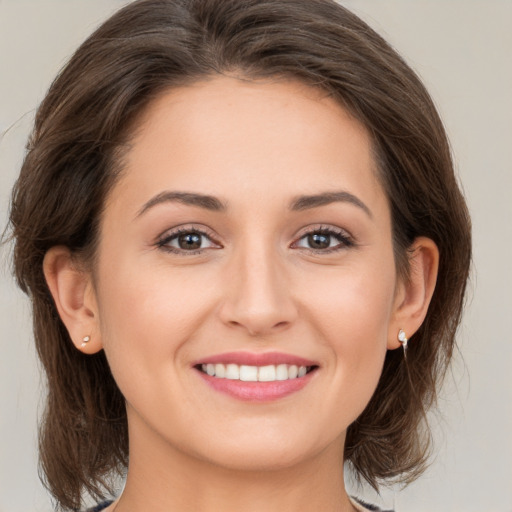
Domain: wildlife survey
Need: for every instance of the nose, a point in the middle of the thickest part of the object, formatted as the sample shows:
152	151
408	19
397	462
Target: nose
257	296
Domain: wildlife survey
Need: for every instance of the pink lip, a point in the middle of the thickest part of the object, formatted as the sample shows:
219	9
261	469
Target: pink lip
256	391
255	359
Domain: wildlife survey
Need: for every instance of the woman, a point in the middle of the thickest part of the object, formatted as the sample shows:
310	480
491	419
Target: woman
230	217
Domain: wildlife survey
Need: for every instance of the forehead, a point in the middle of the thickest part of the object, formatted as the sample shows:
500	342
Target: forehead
262	137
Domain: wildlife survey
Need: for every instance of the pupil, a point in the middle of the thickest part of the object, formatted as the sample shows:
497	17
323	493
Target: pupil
319	241
189	241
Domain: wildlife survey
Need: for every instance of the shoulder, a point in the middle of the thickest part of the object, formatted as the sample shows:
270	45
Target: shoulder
99	507
359	504
362	506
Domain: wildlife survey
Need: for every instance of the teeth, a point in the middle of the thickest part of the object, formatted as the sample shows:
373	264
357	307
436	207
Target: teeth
232	372
248	373
220	371
267	373
282	372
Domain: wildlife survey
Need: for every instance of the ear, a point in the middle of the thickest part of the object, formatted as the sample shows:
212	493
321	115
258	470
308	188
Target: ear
413	297
74	297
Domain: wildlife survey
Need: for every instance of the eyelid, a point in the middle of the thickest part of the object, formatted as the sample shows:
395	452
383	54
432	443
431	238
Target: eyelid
172	233
347	240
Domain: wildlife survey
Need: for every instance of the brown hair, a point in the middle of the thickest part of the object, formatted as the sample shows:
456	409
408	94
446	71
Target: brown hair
74	157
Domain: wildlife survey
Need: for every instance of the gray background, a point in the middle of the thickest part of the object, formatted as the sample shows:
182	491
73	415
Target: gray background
461	48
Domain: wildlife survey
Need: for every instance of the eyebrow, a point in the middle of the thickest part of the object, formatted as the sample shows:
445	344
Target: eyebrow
213	204
314	201
190	198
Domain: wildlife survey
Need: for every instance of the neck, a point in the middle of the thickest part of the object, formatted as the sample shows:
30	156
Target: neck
162	478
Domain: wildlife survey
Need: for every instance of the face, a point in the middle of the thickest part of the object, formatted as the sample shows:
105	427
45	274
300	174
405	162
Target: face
245	286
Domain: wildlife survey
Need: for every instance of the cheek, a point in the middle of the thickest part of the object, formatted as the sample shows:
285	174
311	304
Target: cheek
353	304
147	314
351	312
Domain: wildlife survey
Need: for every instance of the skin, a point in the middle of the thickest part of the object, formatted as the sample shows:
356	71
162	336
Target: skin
255	285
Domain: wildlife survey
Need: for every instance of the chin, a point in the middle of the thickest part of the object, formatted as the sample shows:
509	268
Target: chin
259	453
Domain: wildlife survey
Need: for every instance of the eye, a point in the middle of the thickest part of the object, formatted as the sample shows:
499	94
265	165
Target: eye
324	240
191	241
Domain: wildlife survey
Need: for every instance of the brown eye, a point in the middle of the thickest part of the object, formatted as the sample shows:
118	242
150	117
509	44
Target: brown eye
319	241
324	240
189	241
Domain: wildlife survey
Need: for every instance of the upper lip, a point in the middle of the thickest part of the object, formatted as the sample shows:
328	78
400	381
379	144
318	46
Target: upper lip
255	359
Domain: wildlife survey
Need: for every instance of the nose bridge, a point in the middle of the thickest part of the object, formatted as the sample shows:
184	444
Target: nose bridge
258	296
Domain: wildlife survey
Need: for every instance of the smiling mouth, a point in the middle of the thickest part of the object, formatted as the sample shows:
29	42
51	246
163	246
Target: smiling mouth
247	373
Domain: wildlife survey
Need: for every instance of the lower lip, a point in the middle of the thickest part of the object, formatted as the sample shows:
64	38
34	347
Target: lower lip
257	391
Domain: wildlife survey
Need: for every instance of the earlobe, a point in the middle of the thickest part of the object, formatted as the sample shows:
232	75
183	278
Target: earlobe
71	289
414	295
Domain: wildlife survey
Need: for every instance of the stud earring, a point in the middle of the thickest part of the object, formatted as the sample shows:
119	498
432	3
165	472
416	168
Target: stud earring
402	338
85	340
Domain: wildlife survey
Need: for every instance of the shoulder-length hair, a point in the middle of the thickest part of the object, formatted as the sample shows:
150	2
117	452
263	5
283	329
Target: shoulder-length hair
75	154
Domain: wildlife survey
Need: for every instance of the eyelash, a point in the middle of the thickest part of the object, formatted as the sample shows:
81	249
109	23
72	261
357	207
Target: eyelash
163	242
344	239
